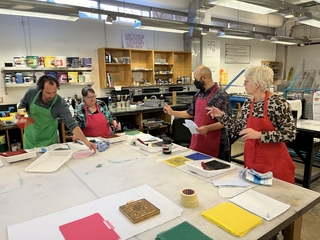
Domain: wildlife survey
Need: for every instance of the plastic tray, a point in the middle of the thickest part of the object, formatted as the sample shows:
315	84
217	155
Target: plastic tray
149	148
195	166
19	157
50	161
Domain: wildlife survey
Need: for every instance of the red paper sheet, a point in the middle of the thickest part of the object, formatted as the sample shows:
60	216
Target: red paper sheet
91	227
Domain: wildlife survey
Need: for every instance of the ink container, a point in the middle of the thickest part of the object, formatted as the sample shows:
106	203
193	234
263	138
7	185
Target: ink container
166	145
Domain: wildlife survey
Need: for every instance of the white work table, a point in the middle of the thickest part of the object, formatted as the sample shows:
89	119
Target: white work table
25	196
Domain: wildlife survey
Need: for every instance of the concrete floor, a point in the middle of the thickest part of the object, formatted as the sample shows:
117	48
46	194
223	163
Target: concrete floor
311	220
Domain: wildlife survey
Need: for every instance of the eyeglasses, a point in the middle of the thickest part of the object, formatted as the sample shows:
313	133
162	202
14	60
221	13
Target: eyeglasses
245	82
91	97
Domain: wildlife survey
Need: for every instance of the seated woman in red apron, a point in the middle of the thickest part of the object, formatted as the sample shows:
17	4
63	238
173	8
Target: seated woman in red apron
266	123
93	116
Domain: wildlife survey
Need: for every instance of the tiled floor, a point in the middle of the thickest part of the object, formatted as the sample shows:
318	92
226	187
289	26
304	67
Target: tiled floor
311	220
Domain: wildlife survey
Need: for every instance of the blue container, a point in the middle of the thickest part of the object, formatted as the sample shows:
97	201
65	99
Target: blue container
86	62
52	74
19	78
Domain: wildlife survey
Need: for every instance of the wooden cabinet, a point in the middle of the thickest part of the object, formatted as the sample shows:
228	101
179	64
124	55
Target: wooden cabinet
275	66
137	67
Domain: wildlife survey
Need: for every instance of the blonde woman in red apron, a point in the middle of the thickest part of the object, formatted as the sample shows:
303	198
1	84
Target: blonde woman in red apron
266	123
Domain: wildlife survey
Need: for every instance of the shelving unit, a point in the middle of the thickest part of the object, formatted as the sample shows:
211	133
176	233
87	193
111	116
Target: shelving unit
149	65
275	66
12	70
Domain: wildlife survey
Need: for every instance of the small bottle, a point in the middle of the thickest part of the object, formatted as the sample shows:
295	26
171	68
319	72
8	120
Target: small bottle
145	98
161	97
109	102
166	145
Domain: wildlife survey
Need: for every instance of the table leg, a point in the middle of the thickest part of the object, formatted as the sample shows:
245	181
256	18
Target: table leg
293	231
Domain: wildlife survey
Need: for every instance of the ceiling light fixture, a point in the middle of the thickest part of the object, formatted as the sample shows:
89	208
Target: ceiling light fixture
162	26
289	13
204	31
310	19
284	40
110	19
238	5
30	13
235	34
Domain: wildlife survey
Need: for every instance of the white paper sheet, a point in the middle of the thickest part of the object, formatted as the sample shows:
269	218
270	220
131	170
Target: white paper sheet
260	204
47	227
191	125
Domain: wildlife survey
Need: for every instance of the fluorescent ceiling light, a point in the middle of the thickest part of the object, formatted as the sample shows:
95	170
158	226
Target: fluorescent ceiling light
159	26
310	19
243	6
38	15
235	34
283	40
289	14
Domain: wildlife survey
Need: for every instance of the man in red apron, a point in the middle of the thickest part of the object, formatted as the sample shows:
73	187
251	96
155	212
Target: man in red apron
212	138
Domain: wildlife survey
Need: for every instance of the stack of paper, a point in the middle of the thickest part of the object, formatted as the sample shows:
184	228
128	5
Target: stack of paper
232	218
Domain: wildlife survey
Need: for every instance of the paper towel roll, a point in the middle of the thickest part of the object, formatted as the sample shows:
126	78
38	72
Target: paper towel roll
296	105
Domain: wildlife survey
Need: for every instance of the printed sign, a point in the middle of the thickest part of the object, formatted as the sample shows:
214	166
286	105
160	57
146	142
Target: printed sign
237	54
134	40
316	106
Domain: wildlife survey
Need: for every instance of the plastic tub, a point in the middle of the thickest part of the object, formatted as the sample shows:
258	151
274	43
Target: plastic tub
19	157
50	161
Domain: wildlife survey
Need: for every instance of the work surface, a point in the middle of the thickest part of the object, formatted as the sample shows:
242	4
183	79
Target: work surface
25	196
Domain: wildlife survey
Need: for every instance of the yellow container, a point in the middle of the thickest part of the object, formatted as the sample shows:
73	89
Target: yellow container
2	139
72	76
49	61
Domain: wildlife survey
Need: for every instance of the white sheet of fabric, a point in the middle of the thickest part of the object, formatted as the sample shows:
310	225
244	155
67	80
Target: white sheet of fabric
296	105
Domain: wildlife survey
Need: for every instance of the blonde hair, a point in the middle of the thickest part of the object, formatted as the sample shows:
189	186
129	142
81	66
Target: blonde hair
260	74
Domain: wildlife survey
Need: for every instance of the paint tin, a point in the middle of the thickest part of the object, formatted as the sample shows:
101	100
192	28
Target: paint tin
19	78
28	77
62	77
86	62
72	62
72	76
40	61
37	75
60	61
52	74
49	61
81	78
2	139
87	76
20	61
32	61
166	145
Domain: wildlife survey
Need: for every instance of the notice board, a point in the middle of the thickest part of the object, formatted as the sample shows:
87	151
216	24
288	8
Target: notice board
237	54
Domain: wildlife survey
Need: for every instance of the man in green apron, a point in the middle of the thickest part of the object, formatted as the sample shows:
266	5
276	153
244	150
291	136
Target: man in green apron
44	105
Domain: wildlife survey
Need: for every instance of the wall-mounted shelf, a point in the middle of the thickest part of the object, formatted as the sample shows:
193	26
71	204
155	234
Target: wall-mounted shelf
62	84
29	69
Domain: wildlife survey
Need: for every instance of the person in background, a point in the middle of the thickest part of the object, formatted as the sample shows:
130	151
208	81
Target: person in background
212	138
265	124
44	105
93	116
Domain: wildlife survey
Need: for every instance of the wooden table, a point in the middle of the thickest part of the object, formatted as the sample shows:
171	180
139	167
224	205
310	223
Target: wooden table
25	196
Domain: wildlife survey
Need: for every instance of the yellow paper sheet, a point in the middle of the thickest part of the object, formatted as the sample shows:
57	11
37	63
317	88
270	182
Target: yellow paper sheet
176	161
232	218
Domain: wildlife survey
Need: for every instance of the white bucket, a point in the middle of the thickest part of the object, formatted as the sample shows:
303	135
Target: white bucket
60	61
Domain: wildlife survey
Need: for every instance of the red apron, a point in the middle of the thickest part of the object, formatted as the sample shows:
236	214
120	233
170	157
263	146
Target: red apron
96	124
264	157
209	143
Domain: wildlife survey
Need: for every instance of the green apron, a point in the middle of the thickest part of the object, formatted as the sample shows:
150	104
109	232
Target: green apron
44	130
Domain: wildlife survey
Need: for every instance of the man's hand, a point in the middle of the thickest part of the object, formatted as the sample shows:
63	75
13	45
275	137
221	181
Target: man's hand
167	109
203	130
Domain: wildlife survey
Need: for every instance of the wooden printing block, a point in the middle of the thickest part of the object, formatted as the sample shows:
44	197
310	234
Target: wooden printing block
139	210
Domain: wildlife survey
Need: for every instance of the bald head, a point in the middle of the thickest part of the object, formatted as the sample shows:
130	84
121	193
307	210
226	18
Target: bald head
203	74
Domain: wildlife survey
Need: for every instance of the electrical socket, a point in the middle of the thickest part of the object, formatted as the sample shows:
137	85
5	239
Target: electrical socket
1	99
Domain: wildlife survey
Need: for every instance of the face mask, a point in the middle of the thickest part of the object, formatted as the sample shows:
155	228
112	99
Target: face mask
199	85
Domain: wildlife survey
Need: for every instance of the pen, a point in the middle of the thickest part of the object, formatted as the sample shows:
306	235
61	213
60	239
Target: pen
142	141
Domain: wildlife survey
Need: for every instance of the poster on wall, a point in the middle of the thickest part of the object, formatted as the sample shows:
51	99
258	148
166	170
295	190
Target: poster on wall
134	40
316	105
237	54
212	48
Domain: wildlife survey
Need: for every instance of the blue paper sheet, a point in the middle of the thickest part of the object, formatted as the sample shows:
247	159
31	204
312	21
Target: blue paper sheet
198	156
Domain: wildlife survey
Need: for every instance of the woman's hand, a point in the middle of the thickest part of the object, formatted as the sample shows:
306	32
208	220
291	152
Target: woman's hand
167	109
116	125
250	133
74	138
214	112
91	145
